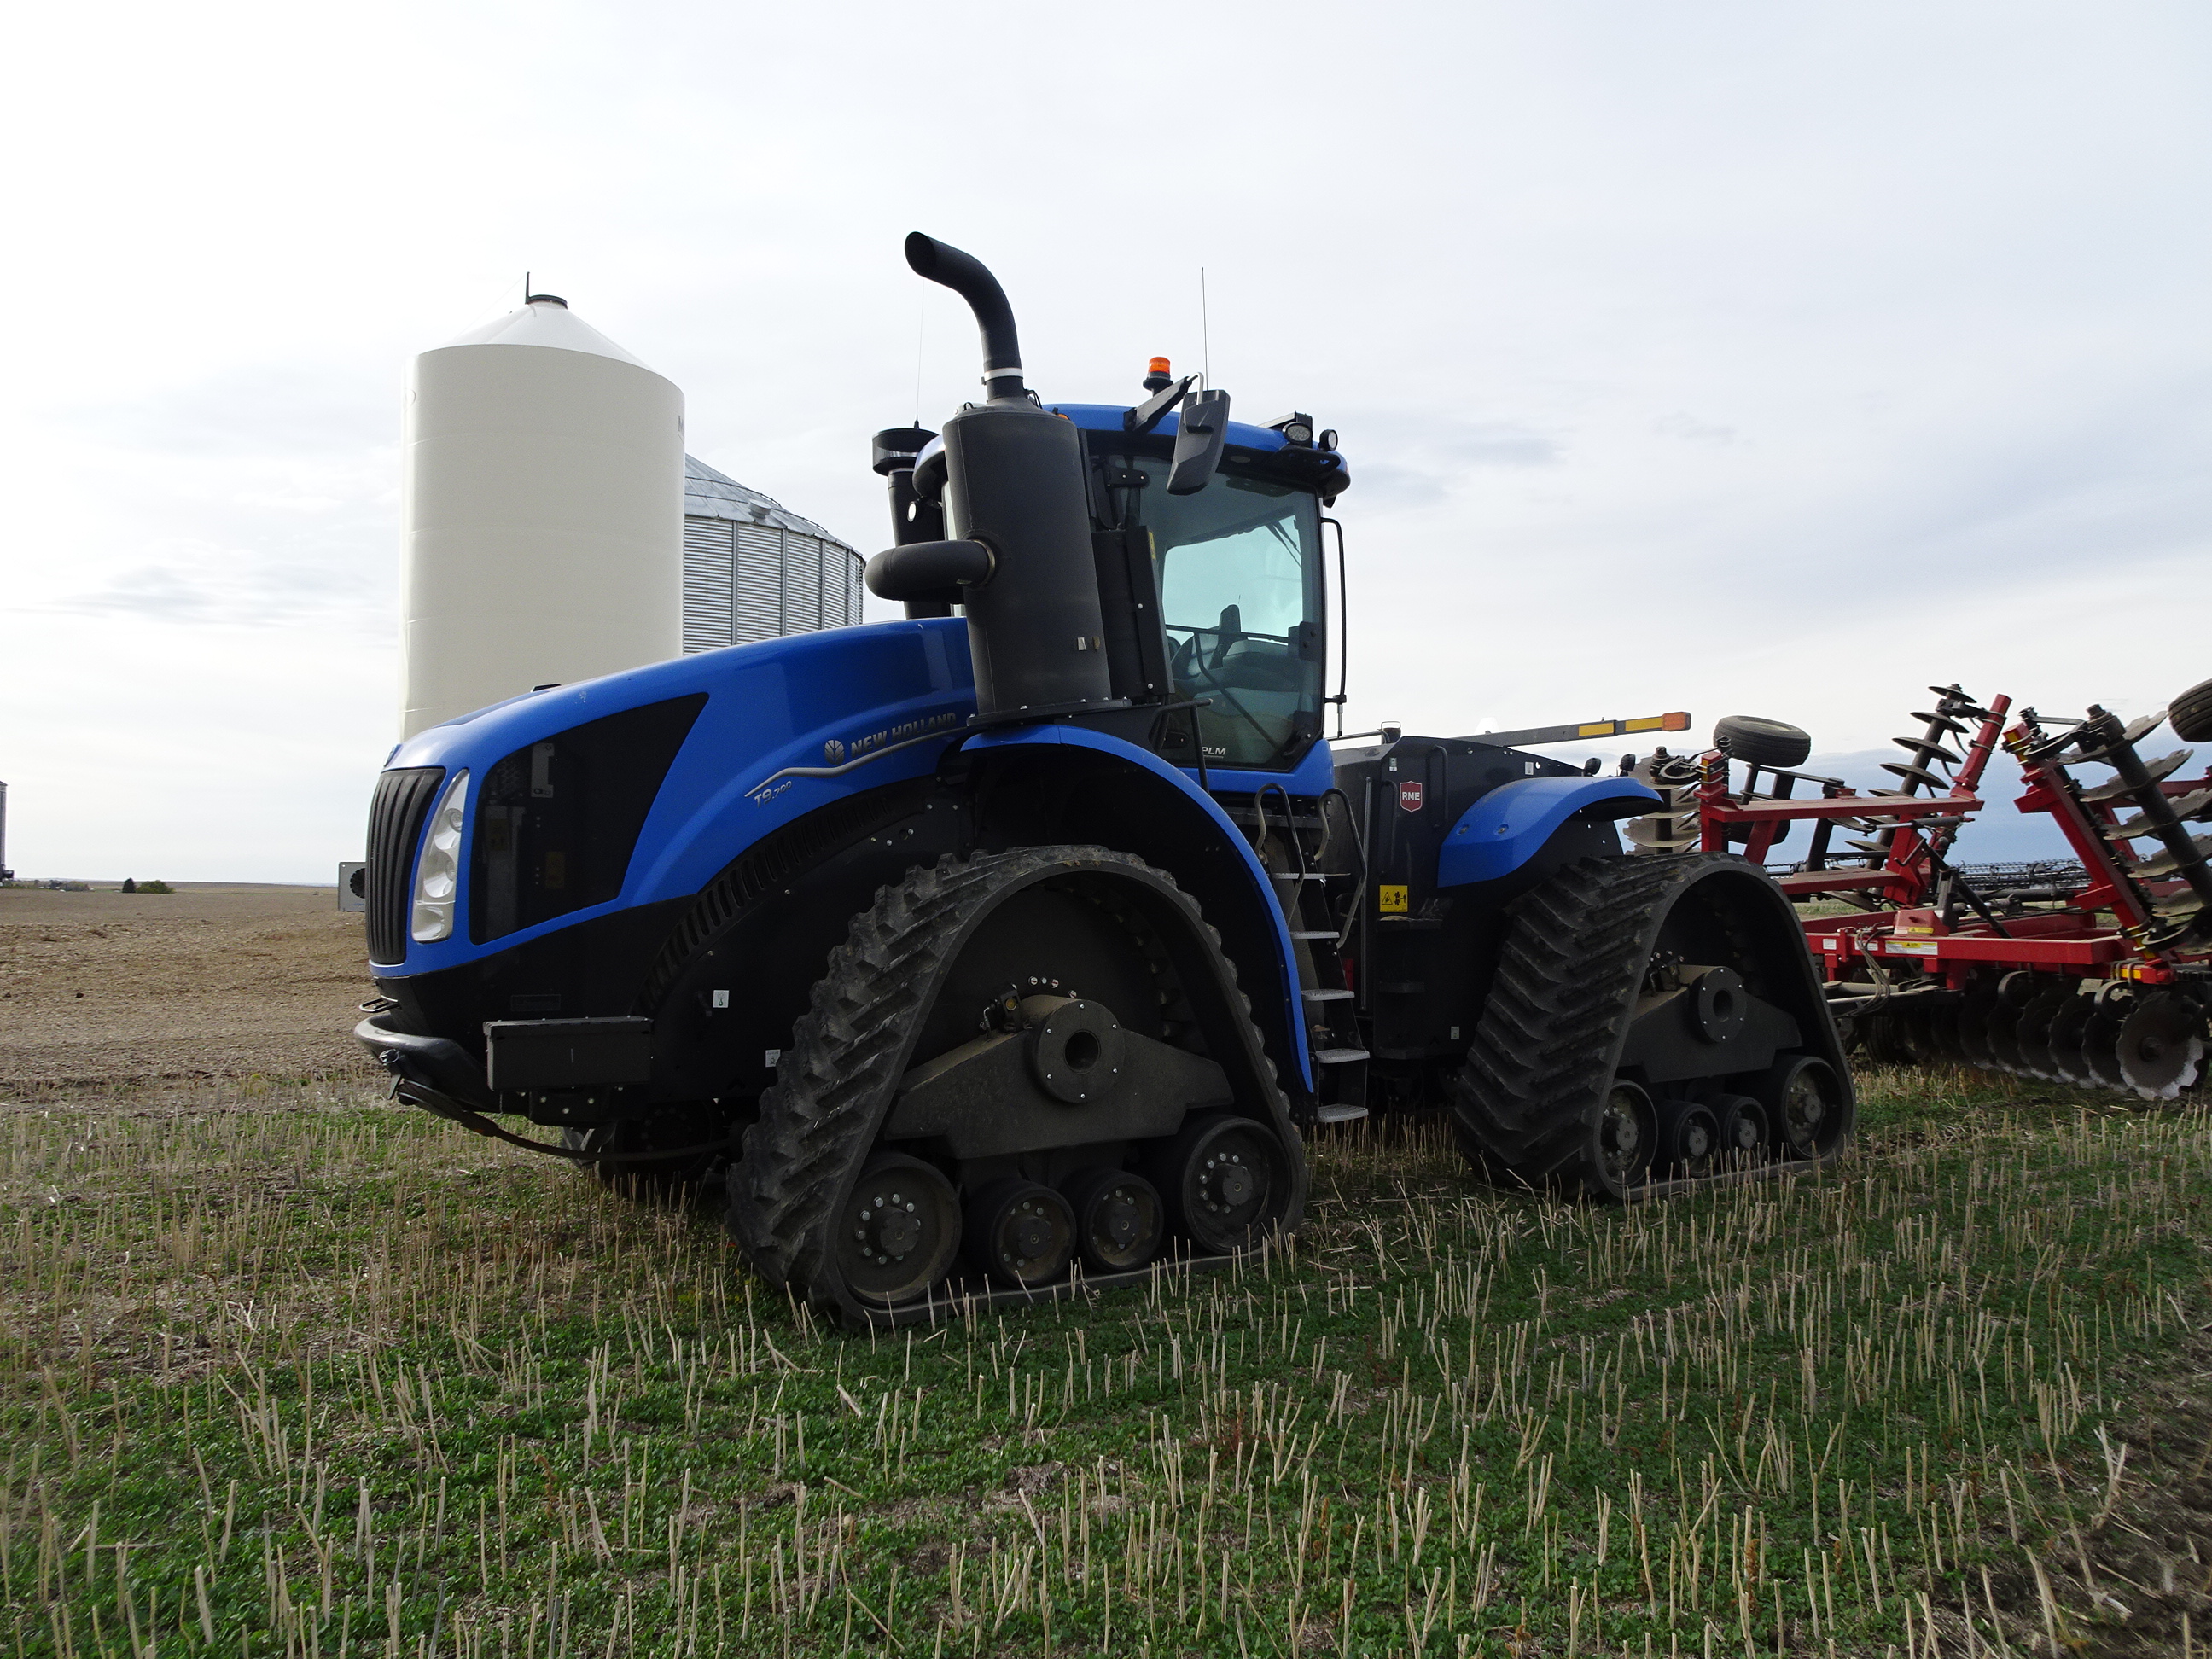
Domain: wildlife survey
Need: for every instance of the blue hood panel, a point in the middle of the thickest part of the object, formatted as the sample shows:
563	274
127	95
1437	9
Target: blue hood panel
810	700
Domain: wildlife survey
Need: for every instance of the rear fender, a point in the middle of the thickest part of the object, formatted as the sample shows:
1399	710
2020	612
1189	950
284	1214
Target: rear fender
1044	785
1508	826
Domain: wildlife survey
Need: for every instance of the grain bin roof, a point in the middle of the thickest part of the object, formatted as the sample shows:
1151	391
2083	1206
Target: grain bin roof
708	495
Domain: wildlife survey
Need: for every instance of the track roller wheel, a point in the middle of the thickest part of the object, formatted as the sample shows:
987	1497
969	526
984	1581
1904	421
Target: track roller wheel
1689	1137
1118	1219
1020	1232
1808	1105
1224	1182
2161	1043
901	1229
1745	1130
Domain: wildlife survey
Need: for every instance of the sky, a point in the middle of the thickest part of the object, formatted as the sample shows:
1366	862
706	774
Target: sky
1730	357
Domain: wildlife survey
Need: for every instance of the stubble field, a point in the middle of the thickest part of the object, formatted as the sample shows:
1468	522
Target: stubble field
290	1371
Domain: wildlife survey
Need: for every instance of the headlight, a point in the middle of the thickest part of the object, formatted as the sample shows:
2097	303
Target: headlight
438	873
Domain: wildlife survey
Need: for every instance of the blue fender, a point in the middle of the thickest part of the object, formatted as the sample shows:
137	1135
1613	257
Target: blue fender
1509	825
1074	737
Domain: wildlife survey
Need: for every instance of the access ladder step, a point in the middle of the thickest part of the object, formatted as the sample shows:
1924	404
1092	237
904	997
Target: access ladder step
1329	933
1340	1113
1338	1056
1326	996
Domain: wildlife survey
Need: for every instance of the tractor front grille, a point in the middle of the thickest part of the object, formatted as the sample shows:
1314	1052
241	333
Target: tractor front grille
402	800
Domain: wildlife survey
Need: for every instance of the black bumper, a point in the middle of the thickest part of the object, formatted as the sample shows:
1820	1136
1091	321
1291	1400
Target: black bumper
434	1072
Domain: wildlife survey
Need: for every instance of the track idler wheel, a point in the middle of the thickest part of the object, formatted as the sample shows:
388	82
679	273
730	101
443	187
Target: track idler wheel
1225	1182
1689	1139
1806	1099
1118	1219
1020	1232
901	1230
2161	1043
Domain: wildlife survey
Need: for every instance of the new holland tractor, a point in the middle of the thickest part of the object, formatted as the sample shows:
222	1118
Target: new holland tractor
1017	944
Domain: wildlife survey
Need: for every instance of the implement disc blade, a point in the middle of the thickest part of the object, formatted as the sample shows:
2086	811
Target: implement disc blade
2015	992
2100	1041
1973	1025
2068	1027
2160	1042
2032	1033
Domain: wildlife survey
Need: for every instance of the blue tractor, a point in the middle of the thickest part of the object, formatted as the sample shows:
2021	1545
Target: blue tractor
1020	943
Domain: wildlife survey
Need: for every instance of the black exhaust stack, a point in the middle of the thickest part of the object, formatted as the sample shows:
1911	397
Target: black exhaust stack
1014	503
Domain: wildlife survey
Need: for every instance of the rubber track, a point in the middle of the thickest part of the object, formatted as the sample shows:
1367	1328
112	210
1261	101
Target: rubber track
834	1084
1568	977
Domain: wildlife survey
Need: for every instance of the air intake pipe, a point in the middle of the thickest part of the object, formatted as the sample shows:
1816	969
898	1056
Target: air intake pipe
1014	484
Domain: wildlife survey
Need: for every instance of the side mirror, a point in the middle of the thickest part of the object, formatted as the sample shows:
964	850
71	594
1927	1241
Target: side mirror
1199	436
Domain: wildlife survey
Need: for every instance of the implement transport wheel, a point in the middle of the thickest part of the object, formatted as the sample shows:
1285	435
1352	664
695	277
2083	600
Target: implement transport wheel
2191	713
1761	742
1004	1022
1608	994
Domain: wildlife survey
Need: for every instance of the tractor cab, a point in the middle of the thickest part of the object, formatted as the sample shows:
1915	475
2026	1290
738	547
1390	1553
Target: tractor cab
1209	557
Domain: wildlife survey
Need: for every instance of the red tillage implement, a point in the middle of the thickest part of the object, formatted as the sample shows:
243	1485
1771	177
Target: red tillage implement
2104	981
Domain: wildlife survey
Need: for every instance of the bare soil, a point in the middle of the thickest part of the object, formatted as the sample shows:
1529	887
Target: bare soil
106	988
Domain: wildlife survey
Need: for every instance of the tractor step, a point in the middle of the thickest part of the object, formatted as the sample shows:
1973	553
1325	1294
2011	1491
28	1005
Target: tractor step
1338	1056
1328	933
1340	1113
1326	996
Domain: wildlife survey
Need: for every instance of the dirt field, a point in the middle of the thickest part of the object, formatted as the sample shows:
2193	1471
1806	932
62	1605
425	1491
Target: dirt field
106	987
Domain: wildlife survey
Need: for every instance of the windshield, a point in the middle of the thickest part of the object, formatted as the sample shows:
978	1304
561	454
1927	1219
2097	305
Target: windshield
1239	570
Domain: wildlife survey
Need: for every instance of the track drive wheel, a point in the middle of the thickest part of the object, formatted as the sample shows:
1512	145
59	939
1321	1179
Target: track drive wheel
991	1027
1549	1096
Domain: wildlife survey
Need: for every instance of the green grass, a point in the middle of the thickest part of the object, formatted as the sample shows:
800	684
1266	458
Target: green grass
296	1373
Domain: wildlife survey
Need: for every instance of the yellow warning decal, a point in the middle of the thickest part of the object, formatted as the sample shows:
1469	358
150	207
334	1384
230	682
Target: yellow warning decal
1391	900
1598	729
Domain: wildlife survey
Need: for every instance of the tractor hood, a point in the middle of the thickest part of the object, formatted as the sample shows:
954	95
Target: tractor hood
788	725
